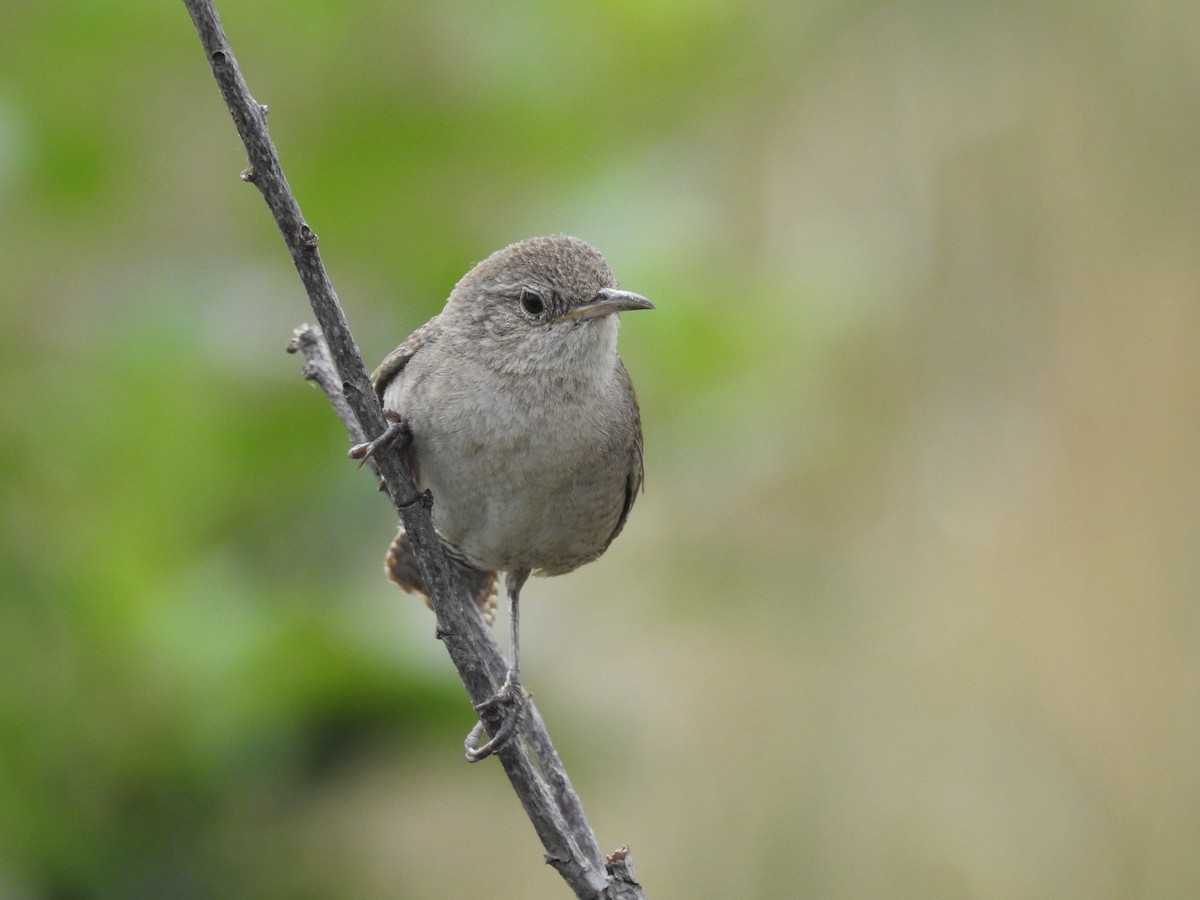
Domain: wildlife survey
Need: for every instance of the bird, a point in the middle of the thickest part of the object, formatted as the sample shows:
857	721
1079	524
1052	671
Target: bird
513	409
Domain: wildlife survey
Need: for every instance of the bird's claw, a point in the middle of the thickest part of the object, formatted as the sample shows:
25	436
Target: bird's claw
510	695
397	432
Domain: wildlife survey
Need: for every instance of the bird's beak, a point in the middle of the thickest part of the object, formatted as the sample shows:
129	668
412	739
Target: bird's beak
606	302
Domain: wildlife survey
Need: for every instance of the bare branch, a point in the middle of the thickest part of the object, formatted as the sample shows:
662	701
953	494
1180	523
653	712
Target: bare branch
318	367
543	787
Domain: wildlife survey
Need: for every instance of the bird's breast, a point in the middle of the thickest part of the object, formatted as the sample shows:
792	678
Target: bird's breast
525	473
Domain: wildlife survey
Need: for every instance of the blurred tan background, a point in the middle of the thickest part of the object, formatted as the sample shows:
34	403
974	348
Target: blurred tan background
909	607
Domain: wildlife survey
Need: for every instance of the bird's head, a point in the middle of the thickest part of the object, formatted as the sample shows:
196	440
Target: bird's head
540	293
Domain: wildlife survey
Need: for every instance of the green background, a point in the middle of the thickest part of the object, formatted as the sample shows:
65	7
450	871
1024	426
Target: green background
909	607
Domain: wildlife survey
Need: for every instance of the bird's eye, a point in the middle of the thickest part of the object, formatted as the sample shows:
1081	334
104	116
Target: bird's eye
532	302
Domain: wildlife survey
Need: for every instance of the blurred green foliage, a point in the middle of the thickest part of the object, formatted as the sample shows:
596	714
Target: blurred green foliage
909	607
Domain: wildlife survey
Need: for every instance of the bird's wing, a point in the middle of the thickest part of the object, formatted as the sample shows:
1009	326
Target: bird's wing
395	361
635	477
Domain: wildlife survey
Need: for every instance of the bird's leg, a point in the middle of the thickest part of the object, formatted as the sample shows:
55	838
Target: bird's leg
397	432
510	693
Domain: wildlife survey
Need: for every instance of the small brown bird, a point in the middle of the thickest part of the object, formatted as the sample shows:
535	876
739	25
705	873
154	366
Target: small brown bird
521	420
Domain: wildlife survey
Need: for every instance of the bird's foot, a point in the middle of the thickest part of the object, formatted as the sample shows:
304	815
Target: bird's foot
511	698
397	432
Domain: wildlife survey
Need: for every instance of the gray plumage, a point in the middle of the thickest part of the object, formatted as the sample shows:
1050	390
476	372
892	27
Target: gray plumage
524	423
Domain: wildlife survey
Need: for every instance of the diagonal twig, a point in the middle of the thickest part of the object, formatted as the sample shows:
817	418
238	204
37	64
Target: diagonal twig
540	780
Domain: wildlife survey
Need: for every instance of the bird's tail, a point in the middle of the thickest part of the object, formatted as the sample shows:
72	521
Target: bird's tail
401	567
